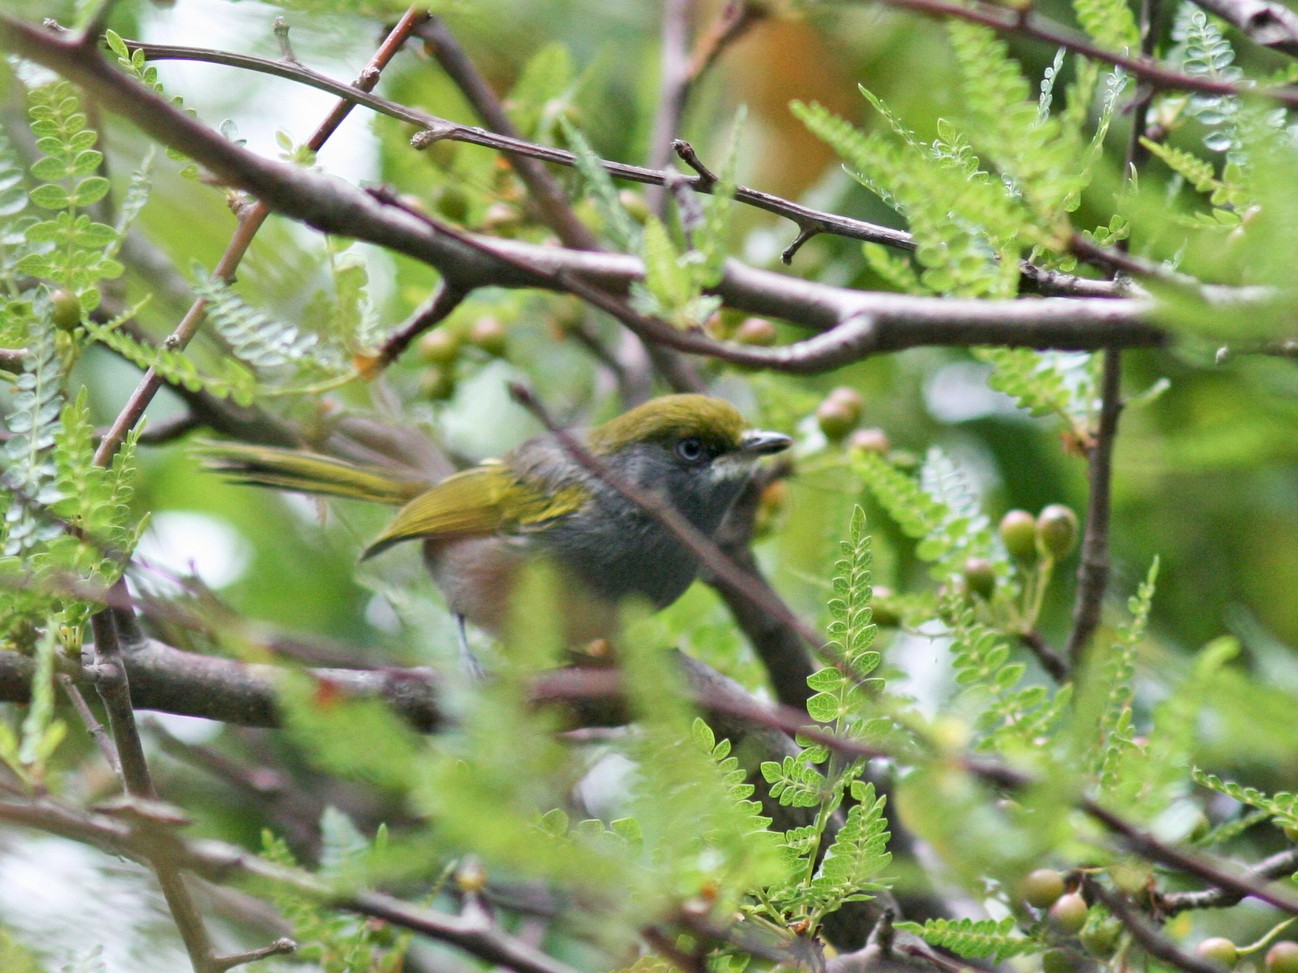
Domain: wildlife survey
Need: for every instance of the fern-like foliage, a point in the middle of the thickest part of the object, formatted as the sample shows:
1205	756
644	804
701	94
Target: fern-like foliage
678	273
1282	806
1047	383
14	222
734	779
851	630
618	224
1036	153
1203	51
1109	23
967	228
42	730
1010	716
1114	687
96	502
69	248
855	859
30	475
976	938
334	941
264	343
233	380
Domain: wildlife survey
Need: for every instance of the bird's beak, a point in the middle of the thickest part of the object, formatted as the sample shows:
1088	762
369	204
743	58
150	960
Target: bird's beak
758	442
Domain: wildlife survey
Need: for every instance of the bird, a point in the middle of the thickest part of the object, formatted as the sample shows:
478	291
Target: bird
481	527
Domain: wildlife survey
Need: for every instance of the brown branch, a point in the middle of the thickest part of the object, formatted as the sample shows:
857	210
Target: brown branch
779	646
167	679
1144	933
251	218
429	314
810	221
1279	865
216	861
675	81
553	202
1093	571
1147	846
1024	23
440	128
1266	24
113	684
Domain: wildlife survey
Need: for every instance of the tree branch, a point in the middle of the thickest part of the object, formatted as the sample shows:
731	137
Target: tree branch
1093	571
1266	24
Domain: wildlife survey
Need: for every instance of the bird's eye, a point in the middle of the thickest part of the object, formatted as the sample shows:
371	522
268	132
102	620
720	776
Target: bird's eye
691	450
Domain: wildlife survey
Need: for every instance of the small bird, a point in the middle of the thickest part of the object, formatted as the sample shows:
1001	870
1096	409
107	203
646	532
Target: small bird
480	527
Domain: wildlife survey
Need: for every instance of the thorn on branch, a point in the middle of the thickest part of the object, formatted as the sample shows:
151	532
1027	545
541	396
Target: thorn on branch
707	178
279	947
805	233
427	136
285	47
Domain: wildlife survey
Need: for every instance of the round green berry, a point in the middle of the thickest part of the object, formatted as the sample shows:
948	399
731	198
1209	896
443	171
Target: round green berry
1019	533
489	334
65	309
981	578
1059	960
839	413
441	346
1068	914
1219	951
1042	888
872	440
1056	531
755	331
1100	939
1282	957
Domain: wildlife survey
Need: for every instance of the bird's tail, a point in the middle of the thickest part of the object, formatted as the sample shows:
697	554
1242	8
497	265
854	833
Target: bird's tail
290	469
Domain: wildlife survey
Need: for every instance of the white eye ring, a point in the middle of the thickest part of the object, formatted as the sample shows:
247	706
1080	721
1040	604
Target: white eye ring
691	450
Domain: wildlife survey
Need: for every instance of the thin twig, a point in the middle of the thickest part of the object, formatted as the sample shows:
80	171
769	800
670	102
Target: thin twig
1266	24
429	314
251	218
674	84
218	861
88	719
113	684
1279	865
1146	935
1093	569
556	208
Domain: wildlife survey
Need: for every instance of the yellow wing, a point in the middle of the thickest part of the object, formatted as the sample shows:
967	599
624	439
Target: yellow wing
482	500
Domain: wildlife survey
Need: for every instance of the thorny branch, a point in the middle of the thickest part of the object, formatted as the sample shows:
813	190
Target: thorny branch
165	678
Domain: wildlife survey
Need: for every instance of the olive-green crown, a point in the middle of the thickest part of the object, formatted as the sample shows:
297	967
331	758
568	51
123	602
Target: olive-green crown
714	421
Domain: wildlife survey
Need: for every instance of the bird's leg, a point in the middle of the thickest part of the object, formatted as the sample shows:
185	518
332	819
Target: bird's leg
467	659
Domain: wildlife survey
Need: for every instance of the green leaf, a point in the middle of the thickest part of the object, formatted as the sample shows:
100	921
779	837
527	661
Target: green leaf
976	938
